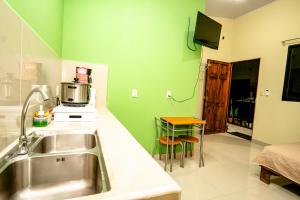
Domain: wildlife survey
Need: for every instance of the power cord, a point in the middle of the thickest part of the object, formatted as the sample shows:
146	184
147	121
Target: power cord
196	83
188	36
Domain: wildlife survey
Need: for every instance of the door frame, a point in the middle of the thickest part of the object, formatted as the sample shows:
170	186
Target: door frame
259	63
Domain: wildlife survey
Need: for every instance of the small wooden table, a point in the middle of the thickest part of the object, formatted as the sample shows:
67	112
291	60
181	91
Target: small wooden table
181	121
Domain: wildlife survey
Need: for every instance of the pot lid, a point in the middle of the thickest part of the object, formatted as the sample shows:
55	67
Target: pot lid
72	83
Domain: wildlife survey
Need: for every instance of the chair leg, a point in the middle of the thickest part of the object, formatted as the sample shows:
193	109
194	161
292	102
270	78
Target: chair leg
166	158
160	151
201	161
191	149
200	157
175	151
182	155
201	145
185	148
154	149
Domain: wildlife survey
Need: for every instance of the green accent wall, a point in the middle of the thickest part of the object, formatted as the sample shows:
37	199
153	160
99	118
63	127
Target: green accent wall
45	17
144	45
142	41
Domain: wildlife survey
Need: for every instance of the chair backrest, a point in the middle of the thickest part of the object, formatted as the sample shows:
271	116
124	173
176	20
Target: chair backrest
160	127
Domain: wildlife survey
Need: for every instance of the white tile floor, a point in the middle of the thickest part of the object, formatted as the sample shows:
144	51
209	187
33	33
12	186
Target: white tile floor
229	173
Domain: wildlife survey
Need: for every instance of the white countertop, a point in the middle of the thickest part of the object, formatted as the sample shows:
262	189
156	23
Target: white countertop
133	174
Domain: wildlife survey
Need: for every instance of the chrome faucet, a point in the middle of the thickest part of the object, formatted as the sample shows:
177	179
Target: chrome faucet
23	141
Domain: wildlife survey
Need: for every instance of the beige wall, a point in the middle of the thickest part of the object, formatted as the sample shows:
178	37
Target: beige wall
258	34
224	53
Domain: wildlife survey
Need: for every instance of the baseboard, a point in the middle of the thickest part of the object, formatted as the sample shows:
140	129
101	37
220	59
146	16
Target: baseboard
259	142
241	135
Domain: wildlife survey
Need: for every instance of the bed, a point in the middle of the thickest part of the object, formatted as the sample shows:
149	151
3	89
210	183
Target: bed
281	160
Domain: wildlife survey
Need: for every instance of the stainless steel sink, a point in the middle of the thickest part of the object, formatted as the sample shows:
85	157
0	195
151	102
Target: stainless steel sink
65	142
54	172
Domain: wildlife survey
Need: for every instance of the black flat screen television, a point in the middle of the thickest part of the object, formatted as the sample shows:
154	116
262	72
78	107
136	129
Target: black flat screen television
207	31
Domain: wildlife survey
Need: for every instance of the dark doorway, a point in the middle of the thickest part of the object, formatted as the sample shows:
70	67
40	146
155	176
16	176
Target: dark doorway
242	98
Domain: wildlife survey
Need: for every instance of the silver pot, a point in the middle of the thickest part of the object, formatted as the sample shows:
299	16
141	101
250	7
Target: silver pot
75	93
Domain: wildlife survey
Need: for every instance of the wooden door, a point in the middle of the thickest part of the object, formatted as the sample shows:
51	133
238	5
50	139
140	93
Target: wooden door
210	96
216	98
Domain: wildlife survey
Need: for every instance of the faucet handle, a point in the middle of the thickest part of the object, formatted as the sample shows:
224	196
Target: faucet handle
23	148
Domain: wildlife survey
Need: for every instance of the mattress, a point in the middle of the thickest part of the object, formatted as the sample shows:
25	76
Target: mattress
283	159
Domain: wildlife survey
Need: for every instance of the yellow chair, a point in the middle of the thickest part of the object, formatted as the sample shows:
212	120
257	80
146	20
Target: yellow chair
163	138
189	140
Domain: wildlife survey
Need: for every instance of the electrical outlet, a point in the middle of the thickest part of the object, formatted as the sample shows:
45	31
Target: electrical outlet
168	94
134	93
265	92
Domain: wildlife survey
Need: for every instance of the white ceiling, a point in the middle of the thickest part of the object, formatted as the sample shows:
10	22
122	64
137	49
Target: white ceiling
232	8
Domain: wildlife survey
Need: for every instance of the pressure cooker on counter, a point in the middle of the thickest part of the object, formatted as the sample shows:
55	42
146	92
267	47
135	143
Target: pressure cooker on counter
75	93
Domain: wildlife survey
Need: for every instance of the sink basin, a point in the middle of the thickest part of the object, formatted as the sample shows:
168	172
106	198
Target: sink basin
65	142
52	177
60	165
